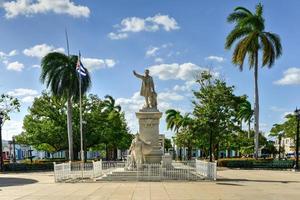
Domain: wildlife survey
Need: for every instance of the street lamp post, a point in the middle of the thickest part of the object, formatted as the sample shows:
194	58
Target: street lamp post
297	113
14	147
1	154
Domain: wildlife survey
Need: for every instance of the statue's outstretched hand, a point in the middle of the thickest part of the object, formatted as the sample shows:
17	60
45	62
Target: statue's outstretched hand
134	72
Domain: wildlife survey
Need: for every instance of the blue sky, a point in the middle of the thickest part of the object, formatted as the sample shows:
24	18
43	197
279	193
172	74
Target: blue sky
173	38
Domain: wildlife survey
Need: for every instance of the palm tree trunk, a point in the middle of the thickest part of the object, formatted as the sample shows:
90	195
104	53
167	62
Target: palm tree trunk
279	148
256	107
70	131
249	128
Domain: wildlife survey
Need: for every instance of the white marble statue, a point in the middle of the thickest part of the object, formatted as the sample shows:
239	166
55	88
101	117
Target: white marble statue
147	89
137	151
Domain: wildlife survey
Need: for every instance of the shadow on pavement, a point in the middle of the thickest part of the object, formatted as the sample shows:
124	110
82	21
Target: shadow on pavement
252	180
6	182
230	184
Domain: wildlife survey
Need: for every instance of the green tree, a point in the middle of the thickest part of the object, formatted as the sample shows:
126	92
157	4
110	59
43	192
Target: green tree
215	112
250	35
245	113
45	125
61	77
8	104
167	144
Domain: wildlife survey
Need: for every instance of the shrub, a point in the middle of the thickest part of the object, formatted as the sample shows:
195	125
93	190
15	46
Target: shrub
252	163
23	167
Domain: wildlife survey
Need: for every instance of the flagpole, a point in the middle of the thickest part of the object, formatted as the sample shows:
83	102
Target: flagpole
70	140
80	108
67	39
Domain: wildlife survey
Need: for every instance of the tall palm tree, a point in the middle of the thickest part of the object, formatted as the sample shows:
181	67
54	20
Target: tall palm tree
60	76
245	113
250	37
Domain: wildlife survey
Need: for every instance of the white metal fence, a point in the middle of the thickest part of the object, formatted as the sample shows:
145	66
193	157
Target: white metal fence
207	169
110	171
76	170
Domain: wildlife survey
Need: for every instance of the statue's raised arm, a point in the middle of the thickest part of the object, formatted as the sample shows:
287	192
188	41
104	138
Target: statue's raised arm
137	75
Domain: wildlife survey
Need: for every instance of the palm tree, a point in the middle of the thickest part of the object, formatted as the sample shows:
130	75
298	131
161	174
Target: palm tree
181	124
278	131
60	76
186	123
251	37
110	105
172	119
113	112
245	113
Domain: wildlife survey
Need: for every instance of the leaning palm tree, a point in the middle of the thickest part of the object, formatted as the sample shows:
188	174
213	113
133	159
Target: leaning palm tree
245	113
250	37
61	77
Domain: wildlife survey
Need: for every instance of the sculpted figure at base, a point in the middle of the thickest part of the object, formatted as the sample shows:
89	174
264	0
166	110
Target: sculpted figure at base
137	151
147	89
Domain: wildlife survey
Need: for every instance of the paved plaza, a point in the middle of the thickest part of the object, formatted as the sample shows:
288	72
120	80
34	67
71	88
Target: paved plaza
232	184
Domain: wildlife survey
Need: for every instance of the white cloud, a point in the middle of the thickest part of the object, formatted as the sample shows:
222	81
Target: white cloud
117	36
133	24
11	128
215	58
36	66
290	77
158	60
110	62
15	66
169	96
93	64
40	50
24	94
152	51
149	24
186	87
167	23
186	71
30	7
27	99
277	109
4	56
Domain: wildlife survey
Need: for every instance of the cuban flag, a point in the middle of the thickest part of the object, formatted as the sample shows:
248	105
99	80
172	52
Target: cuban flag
80	68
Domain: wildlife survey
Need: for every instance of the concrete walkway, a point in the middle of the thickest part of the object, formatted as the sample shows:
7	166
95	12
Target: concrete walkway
232	184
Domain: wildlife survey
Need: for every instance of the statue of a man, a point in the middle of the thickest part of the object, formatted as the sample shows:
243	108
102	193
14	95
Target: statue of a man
147	89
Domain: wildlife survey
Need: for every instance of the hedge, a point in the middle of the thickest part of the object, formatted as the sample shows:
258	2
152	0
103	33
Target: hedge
23	167
260	163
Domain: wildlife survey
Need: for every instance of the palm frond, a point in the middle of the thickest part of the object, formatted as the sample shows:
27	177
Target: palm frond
275	39
236	34
243	9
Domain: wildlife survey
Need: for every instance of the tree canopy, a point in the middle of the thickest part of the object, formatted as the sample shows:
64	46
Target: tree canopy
45	125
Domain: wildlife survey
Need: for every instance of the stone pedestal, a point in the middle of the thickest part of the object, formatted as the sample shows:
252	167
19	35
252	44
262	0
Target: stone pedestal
149	132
